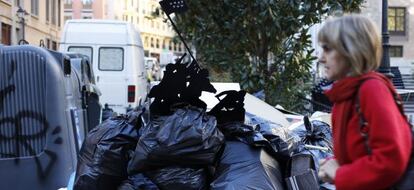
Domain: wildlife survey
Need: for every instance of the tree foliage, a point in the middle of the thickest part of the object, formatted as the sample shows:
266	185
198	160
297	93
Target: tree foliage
262	44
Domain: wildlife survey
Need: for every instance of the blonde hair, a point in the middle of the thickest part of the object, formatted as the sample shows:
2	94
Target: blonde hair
356	39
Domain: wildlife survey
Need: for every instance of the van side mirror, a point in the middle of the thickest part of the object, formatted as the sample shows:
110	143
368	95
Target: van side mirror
66	66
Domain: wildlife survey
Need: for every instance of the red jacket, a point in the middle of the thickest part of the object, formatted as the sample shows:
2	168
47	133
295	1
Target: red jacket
389	134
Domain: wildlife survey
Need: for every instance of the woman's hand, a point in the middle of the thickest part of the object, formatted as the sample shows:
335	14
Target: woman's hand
327	170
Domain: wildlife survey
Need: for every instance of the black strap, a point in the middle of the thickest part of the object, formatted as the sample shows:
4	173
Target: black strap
363	130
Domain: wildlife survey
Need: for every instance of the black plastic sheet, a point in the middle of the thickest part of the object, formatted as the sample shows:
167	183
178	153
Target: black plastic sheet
317	134
188	137
178	178
243	167
301	173
137	182
103	158
274	138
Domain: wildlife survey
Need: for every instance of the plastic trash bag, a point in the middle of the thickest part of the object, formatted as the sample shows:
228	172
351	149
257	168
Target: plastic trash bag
272	137
243	167
188	137
137	182
171	178
103	158
301	173
314	138
317	134
107	113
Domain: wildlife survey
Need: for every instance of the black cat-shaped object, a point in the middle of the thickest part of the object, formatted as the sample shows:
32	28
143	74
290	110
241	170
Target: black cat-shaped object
230	108
182	83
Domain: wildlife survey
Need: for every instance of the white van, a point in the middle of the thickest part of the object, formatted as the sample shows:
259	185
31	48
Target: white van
116	52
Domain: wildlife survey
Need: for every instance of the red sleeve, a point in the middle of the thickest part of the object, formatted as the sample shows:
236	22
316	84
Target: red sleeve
389	139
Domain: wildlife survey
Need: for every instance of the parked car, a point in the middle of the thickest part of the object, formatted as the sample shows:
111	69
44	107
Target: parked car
116	52
42	117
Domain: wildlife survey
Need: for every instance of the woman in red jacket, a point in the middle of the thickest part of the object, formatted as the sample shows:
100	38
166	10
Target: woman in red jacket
351	54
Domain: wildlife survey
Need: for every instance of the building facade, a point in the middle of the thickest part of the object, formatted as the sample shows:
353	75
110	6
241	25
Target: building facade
156	33
42	23
400	27
84	9
401	31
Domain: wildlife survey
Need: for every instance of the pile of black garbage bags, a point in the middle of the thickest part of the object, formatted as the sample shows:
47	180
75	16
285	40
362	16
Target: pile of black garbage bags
174	143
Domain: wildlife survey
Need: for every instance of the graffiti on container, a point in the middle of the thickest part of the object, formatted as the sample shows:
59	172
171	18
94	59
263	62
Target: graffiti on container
8	89
16	142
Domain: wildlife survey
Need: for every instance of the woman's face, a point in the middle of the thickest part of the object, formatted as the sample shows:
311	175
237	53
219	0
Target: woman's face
335	66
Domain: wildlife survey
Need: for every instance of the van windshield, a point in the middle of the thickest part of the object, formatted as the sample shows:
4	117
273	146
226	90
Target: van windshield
111	59
82	50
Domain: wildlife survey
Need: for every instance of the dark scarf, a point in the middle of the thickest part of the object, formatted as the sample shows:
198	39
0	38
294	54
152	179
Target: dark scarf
343	94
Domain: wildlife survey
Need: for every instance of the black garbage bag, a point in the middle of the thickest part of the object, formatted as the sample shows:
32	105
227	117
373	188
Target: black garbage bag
243	167
188	137
301	173
313	138
107	113
103	158
315	133
178	178
137	182
273	138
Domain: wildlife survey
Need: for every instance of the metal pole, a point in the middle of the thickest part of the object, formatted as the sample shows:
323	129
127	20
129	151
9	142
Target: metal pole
385	62
181	37
23	25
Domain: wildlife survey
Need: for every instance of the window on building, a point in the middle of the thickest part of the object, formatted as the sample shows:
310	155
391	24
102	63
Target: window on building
157	44
54	45
163	44
111	59
87	4
175	46
18	2
54	11
132	19
152	42
34	8
146	41
48	43
5	34
396	51
170	46
396	20
137	20
68	4
180	45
